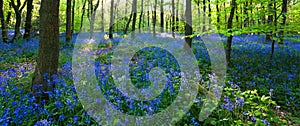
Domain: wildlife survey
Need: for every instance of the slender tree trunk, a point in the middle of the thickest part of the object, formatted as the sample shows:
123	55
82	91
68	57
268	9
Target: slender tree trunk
28	20
229	26
154	18
82	15
18	11
218	15
47	62
134	11
283	23
128	23
3	25
162	16
246	20
173	19
102	16
270	20
141	15
111	24
73	18
188	24
209	12
68	24
204	15
8	16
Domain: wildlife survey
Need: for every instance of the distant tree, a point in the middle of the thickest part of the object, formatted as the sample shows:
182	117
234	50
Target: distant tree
270	20
18	8
229	26
134	11
141	15
47	62
154	18
91	15
173	19
283	23
69	21
111	24
82	15
73	18
3	25
28	20
161	15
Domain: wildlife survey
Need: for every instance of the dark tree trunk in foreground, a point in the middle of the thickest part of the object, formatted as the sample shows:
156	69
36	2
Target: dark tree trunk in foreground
229	26
3	25
284	13
134	17
188	24
111	24
28	20
47	62
18	11
68	24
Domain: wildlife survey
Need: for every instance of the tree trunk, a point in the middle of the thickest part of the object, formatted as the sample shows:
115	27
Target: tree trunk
161	16
188	25
134	18
270	20
82	15
28	20
3	25
102	15
229	26
141	15
204	15
48	55
127	25
173	19
154	18
68	24
18	11
218	15
111	24
8	16
73	19
284	13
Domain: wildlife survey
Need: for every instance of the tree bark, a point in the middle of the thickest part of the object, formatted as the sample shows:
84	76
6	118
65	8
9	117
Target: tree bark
69	18
3	25
28	20
111	24
141	15
154	18
162	16
48	55
229	26
270	20
188	25
204	15
283	23
134	11
173	19
73	19
82	15
18	11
